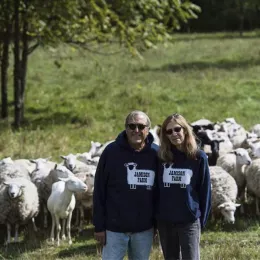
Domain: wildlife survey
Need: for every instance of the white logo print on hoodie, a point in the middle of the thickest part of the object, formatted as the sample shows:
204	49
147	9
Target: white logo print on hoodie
176	176
139	177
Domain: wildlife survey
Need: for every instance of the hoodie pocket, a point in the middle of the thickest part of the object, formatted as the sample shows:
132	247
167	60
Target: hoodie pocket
192	203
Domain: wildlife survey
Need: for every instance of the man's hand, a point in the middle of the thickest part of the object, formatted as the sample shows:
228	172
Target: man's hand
100	237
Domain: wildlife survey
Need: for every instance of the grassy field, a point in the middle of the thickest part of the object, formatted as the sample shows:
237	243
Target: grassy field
74	96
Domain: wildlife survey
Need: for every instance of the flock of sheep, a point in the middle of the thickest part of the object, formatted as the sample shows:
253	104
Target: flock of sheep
29	188
234	159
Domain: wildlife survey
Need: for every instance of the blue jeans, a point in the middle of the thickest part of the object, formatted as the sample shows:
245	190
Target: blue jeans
137	244
180	241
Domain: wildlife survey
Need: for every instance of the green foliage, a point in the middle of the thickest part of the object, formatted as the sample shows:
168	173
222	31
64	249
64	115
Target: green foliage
135	23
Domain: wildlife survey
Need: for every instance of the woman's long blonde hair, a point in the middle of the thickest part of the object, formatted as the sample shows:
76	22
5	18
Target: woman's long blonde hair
190	147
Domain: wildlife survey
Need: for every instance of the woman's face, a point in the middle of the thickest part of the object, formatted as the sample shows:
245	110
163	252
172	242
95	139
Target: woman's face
175	134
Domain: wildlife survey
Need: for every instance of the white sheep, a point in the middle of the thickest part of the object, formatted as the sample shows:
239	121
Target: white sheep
155	132
26	164
233	163
84	200
40	177
250	138
256	129
99	150
95	146
61	204
226	146
224	193
8	169
202	122
87	159
255	149
252	175
19	203
74	165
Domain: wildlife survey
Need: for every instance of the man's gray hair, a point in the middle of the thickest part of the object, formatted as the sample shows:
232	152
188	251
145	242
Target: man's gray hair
135	113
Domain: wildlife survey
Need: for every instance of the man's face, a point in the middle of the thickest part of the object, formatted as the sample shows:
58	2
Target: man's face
137	131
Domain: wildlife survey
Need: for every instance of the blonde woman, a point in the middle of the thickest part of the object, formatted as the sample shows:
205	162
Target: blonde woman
184	199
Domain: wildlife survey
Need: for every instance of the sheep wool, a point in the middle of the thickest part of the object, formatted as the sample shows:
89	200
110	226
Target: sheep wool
224	193
22	208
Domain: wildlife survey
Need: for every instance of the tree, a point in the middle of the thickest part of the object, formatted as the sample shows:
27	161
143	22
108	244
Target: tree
5	43
137	24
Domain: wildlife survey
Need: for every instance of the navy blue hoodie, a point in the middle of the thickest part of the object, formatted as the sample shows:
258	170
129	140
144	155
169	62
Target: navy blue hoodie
123	198
184	189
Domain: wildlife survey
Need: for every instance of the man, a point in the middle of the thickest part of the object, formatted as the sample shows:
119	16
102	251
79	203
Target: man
123	212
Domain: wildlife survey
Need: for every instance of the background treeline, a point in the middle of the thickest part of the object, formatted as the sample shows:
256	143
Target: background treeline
226	15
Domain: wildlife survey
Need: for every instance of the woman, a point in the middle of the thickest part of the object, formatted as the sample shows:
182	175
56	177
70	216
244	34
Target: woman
184	190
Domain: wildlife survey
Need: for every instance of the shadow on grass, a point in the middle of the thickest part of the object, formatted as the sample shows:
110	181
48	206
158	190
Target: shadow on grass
214	36
14	250
86	249
242	223
33	241
200	65
56	118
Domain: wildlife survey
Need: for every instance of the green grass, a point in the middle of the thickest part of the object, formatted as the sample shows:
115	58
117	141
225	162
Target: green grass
86	97
219	241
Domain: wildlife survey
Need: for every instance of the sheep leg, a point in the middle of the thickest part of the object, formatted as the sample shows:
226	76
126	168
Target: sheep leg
8	233
242	200
68	227
16	232
58	228
63	236
257	207
77	217
45	216
52	227
246	200
34	226
81	218
213	216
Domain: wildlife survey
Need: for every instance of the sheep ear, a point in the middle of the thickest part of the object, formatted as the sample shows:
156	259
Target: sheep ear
63	179
55	167
237	205
63	157
6	183
221	206
32	161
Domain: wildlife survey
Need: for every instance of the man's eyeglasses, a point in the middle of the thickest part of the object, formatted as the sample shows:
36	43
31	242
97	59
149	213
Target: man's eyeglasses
139	126
176	129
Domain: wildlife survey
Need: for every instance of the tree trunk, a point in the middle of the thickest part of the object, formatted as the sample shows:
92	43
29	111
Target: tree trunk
17	82
241	17
24	60
5	62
